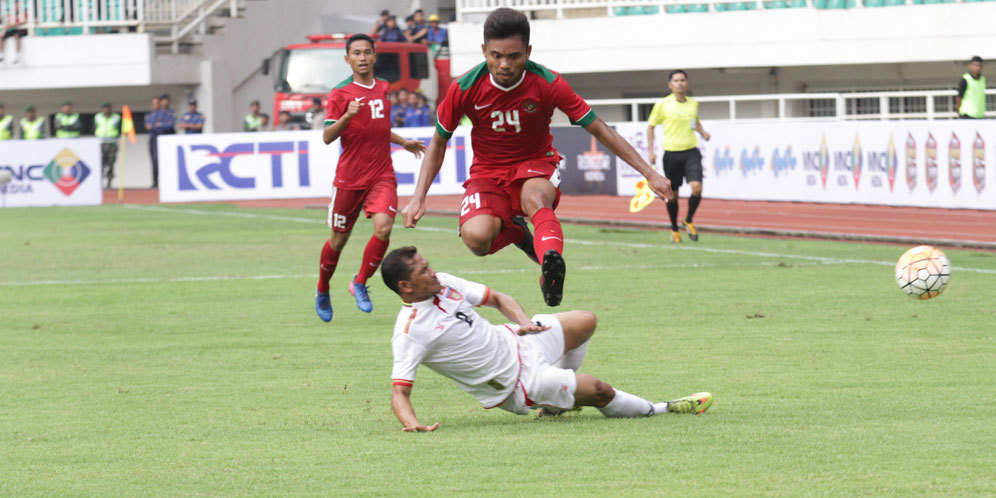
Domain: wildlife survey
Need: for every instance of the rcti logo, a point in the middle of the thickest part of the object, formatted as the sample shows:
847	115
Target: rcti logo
751	162
979	163
856	161
954	162
893	163
66	171
910	161
723	161
783	161
207	169
931	161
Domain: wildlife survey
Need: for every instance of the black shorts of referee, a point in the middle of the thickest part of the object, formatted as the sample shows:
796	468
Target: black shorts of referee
682	165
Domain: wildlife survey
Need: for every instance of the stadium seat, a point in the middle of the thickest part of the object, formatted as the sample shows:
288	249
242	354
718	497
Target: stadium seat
675	9
701	7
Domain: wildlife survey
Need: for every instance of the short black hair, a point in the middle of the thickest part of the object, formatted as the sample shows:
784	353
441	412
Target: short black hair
976	58
677	71
396	267
418	11
505	23
385	12
316	100
360	37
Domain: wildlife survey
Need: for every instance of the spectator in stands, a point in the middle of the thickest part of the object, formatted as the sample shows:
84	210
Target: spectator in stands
416	114
254	120
393	99
151	125
417	29
284	122
107	127
398	111
264	122
168	116
192	122
381	22
391	32
6	125
67	122
315	115
14	27
32	125
427	110
971	99
436	35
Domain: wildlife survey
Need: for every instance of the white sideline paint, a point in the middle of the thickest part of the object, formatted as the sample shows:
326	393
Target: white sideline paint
635	245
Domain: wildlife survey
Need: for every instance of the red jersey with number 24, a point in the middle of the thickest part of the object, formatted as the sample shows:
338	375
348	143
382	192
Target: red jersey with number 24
511	125
366	140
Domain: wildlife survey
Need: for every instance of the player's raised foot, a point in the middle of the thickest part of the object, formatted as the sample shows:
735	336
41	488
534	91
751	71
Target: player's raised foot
545	411
696	403
675	236
359	292
527	242
323	306
690	228
552	277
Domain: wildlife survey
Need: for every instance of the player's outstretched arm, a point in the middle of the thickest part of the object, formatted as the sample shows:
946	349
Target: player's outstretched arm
401	403
620	147
416	147
512	310
430	168
333	130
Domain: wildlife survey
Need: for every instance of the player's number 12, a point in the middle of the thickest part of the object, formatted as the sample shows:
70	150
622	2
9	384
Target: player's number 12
500	119
376	109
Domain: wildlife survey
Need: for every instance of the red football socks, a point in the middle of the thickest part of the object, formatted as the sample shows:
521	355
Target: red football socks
547	233
511	234
372	256
330	258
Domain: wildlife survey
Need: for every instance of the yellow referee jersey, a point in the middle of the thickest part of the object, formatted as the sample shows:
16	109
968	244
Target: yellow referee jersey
679	120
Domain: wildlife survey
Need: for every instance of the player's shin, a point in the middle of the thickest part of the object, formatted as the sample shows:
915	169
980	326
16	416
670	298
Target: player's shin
510	234
373	254
548	233
329	260
625	405
693	204
672	212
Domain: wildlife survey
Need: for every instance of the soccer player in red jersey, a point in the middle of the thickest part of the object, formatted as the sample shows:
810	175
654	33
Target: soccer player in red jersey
510	101
359	113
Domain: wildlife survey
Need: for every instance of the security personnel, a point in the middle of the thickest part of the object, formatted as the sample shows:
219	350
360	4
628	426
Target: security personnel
67	122
971	99
107	127
32	125
6	125
254	120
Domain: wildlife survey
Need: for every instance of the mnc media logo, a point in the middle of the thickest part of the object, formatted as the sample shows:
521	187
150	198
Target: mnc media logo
979	163
910	161
893	163
954	162
722	161
930	161
66	171
817	162
857	161
783	161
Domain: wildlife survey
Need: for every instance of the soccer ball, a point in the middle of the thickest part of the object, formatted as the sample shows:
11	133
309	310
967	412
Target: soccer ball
923	272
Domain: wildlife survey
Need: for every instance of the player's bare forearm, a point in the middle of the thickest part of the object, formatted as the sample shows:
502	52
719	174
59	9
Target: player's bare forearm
508	306
401	403
652	156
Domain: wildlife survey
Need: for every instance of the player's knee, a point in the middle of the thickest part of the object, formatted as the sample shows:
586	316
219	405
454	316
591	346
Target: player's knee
603	393
382	232
479	244
587	320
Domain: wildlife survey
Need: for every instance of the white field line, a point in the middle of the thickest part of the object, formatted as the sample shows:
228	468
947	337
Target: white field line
820	259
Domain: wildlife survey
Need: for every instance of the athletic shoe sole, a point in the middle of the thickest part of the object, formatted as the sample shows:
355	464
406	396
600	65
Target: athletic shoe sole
552	279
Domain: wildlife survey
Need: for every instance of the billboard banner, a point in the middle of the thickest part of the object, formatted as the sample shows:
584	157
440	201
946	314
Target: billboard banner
285	164
947	164
52	172
586	166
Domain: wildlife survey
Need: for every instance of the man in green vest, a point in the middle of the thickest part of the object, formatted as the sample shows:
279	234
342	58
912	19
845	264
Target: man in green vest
107	127
254	120
6	125
67	122
32	125
971	99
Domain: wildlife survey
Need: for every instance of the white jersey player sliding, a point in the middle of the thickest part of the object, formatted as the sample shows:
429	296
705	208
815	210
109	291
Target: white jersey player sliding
530	363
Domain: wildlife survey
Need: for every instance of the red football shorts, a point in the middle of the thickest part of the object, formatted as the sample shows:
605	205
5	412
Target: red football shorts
380	197
502	197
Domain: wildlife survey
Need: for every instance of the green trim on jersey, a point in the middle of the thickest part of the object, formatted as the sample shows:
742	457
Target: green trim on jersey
381	79
586	120
542	71
344	83
467	80
442	131
329	122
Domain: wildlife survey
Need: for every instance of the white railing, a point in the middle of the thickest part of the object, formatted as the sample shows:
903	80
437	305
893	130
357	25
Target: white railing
177	17
814	106
642	7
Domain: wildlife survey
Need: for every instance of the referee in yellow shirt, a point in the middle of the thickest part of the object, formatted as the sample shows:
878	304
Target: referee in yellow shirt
679	114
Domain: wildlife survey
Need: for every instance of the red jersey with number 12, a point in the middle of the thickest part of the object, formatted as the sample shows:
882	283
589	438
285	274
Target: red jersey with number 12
366	141
511	125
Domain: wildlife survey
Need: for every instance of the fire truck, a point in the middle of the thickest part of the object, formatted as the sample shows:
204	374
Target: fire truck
310	70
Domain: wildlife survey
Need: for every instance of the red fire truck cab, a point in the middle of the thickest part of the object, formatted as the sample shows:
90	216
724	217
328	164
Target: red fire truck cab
310	70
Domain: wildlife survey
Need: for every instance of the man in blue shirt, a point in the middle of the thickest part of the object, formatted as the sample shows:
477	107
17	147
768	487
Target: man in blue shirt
192	122
436	35
163	122
151	123
390	32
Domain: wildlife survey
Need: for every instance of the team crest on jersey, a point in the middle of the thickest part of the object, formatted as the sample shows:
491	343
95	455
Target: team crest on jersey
530	105
452	294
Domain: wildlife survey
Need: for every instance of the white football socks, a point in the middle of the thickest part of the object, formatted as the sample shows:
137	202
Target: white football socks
572	359
625	405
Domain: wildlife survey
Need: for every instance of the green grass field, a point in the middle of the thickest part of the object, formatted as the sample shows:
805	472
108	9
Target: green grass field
175	351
